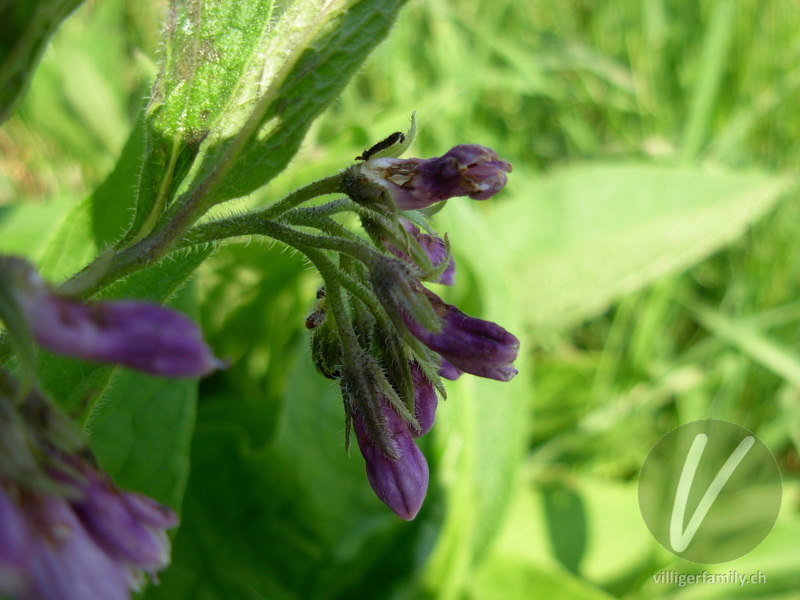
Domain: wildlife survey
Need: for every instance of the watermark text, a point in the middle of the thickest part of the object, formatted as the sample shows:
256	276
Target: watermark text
671	577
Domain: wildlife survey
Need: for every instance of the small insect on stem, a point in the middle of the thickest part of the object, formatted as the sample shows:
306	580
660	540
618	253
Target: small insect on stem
317	317
395	138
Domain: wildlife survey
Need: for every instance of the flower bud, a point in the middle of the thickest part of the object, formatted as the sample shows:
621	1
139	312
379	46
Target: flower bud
471	345
140	335
402	482
466	170
127	525
434	248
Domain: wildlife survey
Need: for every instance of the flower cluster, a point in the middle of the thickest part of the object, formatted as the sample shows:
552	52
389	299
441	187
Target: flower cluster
398	338
95	541
66	531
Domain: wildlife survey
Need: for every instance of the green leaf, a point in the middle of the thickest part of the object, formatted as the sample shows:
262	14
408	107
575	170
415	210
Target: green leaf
234	68
141	433
577	240
295	519
566	539
25	29
213	57
509	578
100	219
26	226
337	42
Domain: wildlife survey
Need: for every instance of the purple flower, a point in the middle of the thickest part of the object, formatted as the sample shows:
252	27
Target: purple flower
15	546
94	542
425	400
65	563
139	335
468	344
129	526
433	246
466	170
448	371
399	483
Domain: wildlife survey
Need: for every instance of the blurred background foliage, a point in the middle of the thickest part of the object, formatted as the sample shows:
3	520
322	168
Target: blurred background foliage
646	251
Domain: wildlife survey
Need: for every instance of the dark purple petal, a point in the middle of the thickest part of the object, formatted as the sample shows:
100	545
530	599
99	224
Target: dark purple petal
15	547
471	345
448	371
425	401
95	543
106	514
15	539
399	483
466	170
149	512
139	335
68	564
434	247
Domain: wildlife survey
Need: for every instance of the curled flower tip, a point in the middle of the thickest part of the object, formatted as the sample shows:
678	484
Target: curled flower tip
466	170
468	344
399	483
469	170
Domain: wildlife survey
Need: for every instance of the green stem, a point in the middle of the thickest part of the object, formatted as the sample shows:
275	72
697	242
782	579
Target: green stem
165	237
248	225
323	223
329	185
327	209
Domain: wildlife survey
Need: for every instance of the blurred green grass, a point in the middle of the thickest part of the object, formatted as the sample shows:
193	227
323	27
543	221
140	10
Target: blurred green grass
548	84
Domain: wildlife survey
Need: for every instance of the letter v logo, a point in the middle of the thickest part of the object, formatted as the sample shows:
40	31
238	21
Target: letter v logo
680	538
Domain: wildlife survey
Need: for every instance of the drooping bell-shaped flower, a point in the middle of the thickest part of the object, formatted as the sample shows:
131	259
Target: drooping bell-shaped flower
84	540
140	335
401	483
414	183
66	531
468	344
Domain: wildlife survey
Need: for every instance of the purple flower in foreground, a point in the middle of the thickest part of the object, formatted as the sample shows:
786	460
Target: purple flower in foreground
400	483
93	543
414	183
433	246
468	344
139	335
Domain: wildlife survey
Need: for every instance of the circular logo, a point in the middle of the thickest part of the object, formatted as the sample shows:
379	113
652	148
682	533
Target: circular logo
710	491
